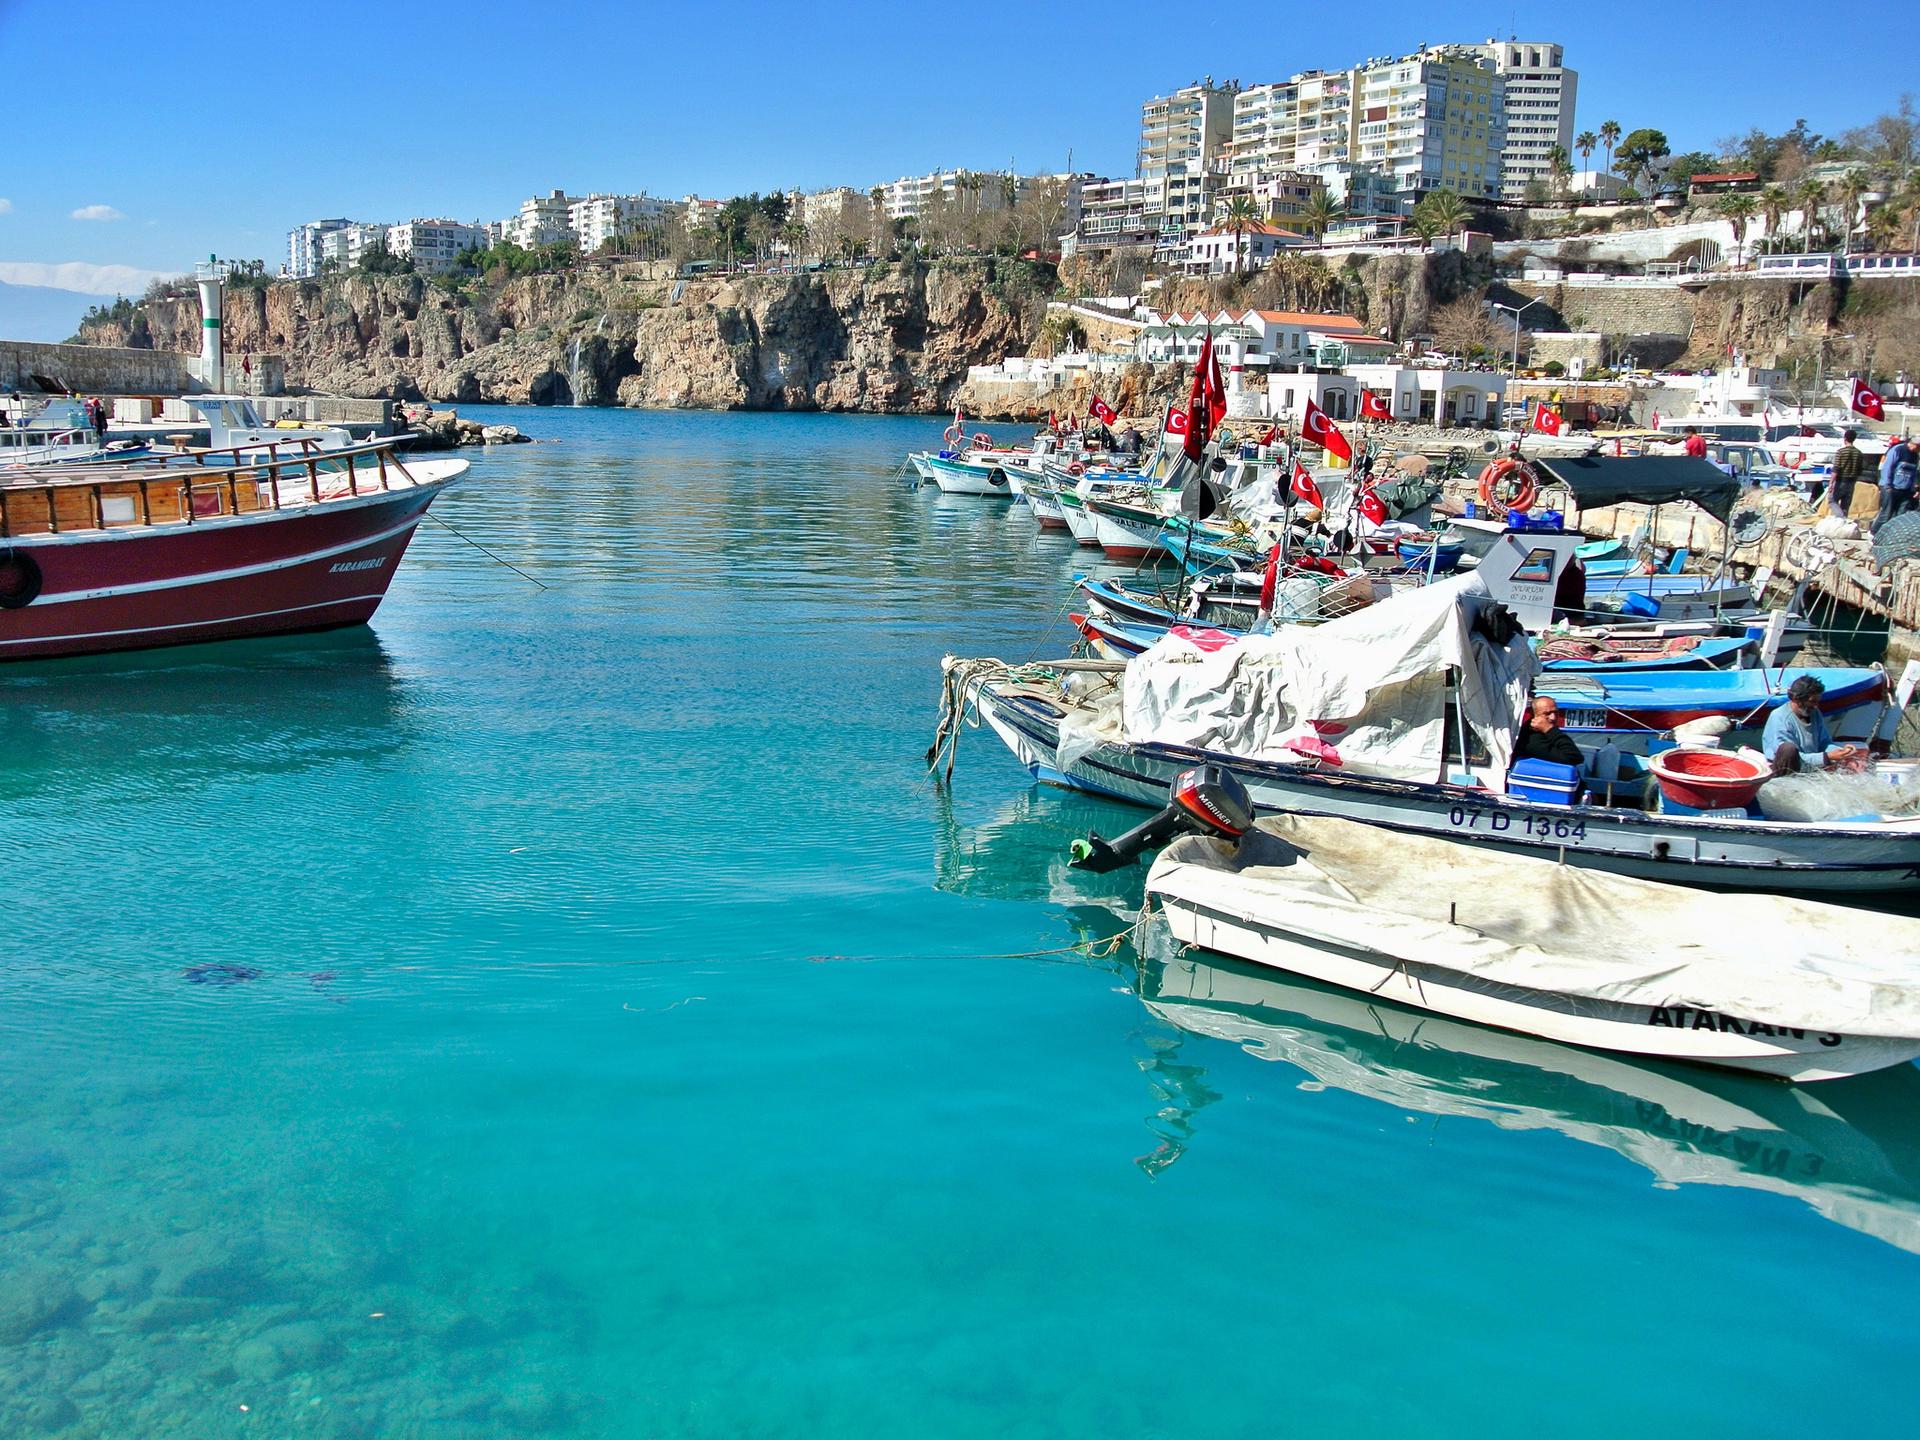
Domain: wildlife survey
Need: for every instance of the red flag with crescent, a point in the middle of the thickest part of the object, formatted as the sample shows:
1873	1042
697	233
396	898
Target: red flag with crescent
1374	406
1372	507
1304	487
1866	401
1102	411
1321	431
1546	420
1176	421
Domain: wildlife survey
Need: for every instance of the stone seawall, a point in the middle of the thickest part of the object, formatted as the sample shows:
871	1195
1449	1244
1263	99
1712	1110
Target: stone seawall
94	369
1617	310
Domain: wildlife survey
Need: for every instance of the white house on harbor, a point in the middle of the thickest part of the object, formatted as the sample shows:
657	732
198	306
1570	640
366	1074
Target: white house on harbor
1221	251
1416	395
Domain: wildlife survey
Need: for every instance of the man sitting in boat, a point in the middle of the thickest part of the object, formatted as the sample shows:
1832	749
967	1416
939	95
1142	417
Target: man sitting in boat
1797	738
1543	739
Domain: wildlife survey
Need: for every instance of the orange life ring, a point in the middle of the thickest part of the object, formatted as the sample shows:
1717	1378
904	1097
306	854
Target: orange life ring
1795	460
1494	480
1076	468
953	435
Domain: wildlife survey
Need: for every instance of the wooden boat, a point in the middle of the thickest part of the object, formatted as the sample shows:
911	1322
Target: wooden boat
132	557
1125	524
1660	971
1044	502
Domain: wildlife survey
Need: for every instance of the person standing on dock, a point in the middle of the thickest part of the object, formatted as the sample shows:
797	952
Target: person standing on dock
1848	462
1899	474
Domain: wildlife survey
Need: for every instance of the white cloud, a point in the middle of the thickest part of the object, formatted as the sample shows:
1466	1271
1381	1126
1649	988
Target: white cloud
97	212
6	206
79	275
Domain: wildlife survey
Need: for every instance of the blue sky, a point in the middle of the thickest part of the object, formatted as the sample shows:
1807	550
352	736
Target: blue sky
383	112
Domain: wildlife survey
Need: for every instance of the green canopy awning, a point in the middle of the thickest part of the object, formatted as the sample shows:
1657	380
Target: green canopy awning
1600	480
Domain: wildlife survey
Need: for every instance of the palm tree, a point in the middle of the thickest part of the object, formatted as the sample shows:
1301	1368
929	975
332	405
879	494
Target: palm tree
1447	210
1560	166
1586	142
1810	195
1740	210
1852	187
1319	214
1883	227
1774	204
1424	225
1241	215
1609	137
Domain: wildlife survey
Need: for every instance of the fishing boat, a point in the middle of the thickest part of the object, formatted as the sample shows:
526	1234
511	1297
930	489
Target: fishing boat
1402	715
1044	503
1528	944
957	476
1127	526
129	558
1641	704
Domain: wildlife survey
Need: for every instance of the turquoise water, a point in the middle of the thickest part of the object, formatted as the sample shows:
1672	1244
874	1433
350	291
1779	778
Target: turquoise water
571	1012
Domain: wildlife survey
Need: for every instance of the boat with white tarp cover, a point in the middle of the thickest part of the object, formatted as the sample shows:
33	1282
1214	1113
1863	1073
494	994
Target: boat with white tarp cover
1793	988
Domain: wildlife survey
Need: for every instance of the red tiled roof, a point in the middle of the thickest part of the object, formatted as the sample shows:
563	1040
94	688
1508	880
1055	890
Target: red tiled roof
1329	323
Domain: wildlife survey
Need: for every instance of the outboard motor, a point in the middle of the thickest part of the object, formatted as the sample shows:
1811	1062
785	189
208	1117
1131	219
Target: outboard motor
1206	800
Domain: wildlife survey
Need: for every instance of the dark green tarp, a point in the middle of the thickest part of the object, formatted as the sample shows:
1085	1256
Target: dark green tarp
1599	480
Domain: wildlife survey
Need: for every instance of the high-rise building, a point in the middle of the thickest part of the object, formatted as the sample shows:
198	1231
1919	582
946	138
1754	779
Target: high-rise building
1433	121
600	218
1539	92
543	220
1183	151
304	244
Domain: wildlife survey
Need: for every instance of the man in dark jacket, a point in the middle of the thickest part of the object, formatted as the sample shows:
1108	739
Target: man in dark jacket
1543	739
1847	465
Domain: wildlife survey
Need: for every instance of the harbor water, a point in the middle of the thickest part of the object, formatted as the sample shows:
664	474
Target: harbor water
566	1008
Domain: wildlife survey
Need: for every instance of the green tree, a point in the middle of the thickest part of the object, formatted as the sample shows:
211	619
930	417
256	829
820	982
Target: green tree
1740	210
1447	211
1560	166
1423	224
1241	216
1849	191
1586	142
1639	153
1811	197
1774	204
1320	213
1609	137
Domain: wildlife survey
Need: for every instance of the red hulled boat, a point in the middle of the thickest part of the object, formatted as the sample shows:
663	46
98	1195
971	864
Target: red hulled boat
127	557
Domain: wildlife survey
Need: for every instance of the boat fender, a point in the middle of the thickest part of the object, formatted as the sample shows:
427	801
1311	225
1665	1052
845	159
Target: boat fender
20	579
1509	475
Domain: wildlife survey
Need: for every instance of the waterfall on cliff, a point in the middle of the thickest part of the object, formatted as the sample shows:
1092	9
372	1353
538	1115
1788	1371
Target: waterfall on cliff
573	372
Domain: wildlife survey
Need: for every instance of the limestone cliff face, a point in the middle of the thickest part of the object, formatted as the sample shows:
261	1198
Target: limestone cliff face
890	338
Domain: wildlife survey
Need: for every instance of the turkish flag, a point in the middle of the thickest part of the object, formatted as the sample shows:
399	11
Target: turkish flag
1866	402
1102	411
1373	407
1273	434
1176	421
1270	581
1304	487
1200	411
1372	507
1216	390
1320	430
1546	421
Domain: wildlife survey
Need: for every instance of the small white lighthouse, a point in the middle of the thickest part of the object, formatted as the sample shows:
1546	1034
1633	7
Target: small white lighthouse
213	367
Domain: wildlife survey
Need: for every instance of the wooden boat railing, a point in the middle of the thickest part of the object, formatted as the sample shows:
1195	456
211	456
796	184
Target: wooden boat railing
136	496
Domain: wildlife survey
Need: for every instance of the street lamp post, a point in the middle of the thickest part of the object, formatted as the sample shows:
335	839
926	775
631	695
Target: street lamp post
1517	312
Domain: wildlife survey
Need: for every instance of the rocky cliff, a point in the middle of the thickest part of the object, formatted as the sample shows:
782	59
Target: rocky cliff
888	338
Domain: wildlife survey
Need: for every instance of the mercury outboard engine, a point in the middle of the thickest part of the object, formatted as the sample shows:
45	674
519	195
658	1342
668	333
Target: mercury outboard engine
1206	800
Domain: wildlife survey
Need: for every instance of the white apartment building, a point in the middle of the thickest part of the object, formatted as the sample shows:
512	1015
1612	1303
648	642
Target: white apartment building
1113	215
907	197
543	220
348	246
434	245
699	212
832	204
1305	123
600	218
1433	121
1539	94
1184	139
304	246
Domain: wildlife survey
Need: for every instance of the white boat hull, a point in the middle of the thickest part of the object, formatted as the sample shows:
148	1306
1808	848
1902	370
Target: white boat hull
1665	1032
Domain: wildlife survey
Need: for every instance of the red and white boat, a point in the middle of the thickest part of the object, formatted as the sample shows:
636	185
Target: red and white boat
128	557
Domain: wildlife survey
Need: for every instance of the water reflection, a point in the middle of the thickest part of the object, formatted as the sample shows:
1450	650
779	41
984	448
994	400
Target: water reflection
1845	1148
158	720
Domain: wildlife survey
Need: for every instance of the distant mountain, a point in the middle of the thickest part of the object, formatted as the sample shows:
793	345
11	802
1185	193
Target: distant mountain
37	312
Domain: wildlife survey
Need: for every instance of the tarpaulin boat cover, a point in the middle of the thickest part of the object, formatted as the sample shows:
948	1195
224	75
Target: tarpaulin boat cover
1371	684
1601	480
1541	925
